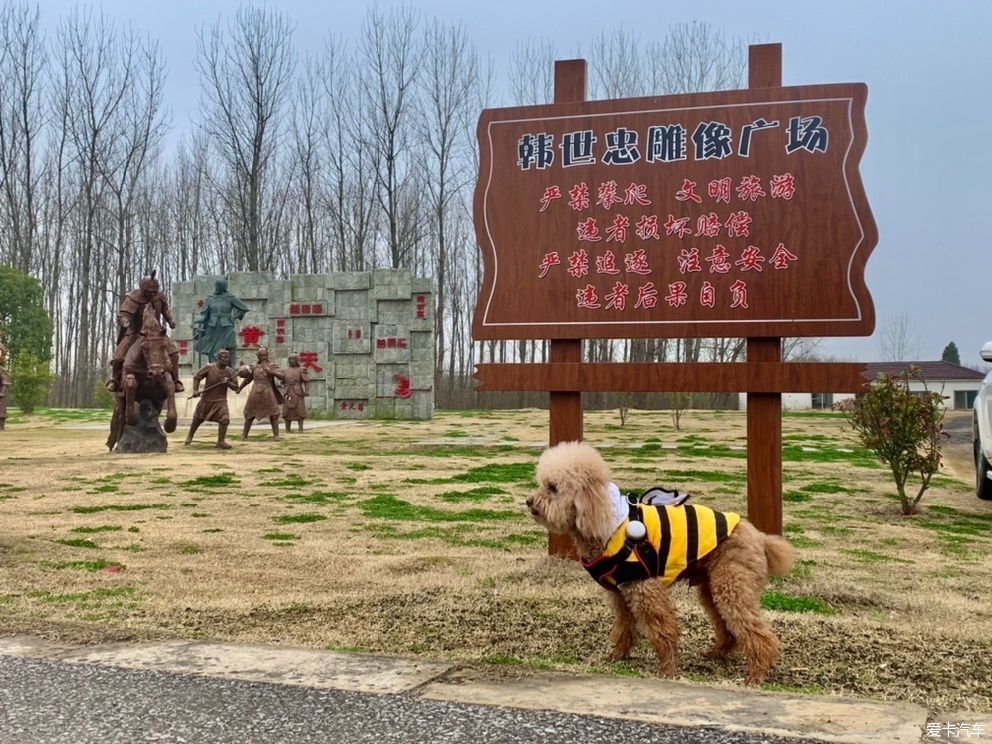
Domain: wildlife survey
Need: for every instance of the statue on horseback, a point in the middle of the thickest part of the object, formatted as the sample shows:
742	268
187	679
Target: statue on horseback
145	372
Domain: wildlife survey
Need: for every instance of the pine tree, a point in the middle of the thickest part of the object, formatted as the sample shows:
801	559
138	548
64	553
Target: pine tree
951	354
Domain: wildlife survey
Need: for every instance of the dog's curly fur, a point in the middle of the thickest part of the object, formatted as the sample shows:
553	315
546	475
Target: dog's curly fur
572	499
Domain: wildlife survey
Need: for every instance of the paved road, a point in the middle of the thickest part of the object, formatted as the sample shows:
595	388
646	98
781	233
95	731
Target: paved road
42	700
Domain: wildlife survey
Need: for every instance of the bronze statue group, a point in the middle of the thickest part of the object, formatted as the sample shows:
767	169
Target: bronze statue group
214	337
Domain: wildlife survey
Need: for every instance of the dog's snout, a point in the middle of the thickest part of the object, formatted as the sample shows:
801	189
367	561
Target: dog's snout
530	501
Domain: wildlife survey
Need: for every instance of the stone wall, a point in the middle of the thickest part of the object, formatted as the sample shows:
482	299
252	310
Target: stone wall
367	339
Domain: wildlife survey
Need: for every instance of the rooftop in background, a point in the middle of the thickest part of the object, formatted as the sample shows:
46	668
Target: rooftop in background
940	370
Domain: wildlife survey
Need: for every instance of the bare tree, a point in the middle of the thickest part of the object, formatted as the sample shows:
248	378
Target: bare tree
246	71
898	340
391	57
448	80
351	154
693	58
532	72
615	61
97	72
22	115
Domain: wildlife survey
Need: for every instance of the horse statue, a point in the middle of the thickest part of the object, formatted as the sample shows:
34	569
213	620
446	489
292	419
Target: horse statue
148	387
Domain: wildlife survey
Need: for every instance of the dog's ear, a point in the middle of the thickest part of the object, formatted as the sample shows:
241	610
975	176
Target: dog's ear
592	512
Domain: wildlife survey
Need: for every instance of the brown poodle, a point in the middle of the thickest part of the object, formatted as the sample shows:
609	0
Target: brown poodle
727	557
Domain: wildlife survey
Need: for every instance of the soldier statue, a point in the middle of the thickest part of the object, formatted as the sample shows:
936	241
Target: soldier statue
264	399
295	390
219	379
129	322
214	329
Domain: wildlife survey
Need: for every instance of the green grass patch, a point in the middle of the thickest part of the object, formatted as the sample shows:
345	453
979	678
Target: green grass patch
794	497
705	476
116	507
95	530
358	466
870	556
281	536
317	497
298	518
389	507
793	603
97	565
79	542
221	480
476	494
106	488
212	530
456	433
822	487
859	457
100	595
290	481
502	660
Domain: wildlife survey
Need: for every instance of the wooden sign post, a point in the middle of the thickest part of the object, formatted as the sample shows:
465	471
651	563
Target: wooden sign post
733	213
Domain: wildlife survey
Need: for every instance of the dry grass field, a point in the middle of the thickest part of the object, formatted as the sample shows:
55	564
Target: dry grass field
411	538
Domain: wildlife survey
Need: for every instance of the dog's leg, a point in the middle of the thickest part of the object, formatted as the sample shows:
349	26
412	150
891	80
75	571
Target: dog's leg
652	610
736	594
624	633
725	641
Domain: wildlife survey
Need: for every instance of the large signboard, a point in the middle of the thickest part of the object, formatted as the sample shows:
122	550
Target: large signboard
738	213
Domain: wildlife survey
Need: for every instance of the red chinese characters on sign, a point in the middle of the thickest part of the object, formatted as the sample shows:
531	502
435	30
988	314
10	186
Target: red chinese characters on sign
550	194
578	263
352	405
183	347
421	307
308	360
688	192
391	343
354	333
617	298
251	335
715	176
281	331
549	260
781	257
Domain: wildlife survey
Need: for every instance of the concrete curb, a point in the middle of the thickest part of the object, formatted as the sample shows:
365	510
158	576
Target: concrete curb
830	719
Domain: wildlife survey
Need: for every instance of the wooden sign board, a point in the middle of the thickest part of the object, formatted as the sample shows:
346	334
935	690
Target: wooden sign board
735	213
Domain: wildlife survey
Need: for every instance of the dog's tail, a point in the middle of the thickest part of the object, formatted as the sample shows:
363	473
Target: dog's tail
779	554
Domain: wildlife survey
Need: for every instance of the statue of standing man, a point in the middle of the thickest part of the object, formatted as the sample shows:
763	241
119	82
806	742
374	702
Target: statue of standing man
215	326
4	384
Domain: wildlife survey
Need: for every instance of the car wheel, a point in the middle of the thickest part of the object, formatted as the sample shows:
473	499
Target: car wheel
983	486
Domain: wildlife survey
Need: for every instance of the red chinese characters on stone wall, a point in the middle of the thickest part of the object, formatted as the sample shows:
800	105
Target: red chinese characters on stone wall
421	305
280	330
391	343
251	335
308	360
402	386
306	309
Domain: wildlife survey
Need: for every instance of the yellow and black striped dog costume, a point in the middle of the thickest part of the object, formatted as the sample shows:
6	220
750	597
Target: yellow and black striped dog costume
676	537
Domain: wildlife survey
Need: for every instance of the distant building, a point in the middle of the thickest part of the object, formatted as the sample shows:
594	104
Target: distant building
959	386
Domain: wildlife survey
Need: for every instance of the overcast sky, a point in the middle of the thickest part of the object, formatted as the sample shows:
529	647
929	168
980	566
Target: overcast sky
928	67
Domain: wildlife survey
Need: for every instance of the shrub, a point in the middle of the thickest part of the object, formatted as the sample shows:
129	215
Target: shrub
903	429
30	378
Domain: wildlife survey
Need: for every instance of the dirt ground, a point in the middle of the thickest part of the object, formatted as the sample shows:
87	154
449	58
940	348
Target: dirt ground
411	538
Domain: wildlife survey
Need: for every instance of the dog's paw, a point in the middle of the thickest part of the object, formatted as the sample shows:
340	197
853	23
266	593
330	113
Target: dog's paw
668	671
618	654
718	652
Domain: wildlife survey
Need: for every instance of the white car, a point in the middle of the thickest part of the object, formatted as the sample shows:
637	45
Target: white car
983	432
